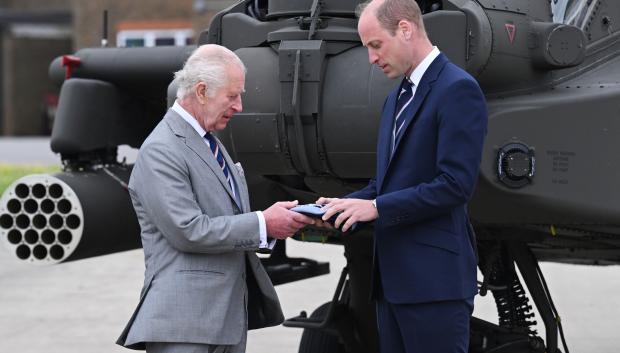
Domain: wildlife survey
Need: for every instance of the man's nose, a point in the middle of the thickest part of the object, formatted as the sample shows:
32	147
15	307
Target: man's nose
372	57
238	106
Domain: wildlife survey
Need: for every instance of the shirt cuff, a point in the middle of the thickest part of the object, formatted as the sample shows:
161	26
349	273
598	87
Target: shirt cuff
262	226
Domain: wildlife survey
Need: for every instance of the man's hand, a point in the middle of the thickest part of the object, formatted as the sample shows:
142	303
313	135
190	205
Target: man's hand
351	211
325	200
282	223
319	222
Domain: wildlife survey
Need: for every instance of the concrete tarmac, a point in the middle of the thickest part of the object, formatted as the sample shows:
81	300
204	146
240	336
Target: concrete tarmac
82	306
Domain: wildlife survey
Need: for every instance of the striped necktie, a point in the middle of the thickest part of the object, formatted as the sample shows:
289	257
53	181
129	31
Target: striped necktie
215	148
404	99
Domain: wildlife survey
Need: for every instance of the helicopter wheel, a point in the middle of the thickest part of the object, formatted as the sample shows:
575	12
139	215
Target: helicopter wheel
319	341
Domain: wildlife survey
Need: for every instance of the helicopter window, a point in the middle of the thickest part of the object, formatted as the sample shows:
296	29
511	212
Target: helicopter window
572	12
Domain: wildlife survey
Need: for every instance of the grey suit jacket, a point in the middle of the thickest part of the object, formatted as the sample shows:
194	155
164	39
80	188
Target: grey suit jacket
203	281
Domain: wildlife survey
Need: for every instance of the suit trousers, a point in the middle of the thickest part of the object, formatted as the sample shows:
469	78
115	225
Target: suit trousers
175	347
435	327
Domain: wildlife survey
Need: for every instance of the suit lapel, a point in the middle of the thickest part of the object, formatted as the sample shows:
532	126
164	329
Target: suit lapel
197	144
422	91
385	136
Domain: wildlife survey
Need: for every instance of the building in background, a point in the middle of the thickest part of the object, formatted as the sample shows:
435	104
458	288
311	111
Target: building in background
34	32
31	34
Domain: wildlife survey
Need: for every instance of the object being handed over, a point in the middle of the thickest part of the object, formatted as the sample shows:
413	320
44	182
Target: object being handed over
343	214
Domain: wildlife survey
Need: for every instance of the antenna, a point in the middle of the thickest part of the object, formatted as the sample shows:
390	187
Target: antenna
104	37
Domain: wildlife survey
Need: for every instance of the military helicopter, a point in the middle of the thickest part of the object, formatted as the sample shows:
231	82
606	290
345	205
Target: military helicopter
550	73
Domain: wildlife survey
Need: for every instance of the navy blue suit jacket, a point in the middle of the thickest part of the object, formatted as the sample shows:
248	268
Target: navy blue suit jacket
423	241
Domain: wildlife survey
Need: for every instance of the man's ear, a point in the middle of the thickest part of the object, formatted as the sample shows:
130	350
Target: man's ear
201	92
406	29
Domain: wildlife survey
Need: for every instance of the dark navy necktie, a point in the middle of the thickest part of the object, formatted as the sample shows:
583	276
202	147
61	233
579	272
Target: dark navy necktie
215	148
405	96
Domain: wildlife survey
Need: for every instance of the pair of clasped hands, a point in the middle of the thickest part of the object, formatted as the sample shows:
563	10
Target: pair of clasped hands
335	213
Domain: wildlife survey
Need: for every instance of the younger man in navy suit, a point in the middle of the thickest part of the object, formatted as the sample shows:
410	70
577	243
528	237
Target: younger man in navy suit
428	155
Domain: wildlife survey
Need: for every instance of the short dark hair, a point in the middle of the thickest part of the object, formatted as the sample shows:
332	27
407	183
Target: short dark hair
393	11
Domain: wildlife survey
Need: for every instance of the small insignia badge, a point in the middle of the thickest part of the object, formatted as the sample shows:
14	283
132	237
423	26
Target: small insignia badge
512	30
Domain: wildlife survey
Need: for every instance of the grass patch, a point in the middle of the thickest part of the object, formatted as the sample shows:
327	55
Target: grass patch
11	172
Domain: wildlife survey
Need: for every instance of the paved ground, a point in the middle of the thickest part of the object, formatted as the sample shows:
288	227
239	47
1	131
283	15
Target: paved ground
82	306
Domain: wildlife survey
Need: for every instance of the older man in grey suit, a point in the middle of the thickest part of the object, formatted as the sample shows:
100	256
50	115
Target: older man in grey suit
204	285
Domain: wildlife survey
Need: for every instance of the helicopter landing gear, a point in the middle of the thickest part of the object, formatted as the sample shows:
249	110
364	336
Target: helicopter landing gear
515	332
314	341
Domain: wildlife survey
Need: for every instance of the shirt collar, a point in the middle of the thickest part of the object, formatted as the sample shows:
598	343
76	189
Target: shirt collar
189	118
418	72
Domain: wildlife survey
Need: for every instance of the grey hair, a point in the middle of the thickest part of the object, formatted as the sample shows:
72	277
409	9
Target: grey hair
390	12
209	68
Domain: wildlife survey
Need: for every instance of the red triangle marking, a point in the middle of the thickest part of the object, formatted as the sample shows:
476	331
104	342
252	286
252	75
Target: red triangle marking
512	30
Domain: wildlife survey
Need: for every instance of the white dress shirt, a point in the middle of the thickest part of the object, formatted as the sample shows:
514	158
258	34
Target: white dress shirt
418	72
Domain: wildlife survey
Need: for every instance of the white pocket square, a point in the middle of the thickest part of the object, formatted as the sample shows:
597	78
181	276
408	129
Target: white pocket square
239	168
